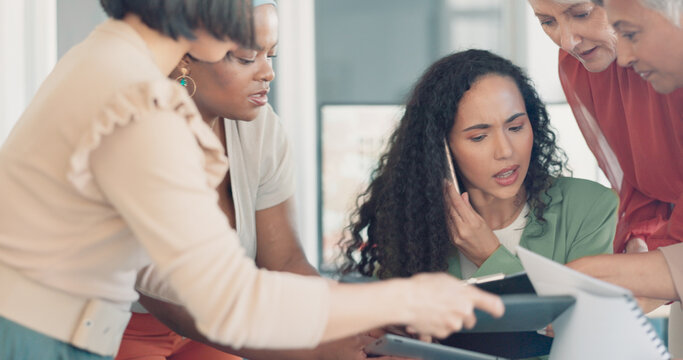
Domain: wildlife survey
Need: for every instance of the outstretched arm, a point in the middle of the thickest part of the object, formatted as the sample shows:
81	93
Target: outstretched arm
431	304
645	274
391	298
179	319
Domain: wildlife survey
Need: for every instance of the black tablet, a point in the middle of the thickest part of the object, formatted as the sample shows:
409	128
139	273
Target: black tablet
514	335
523	312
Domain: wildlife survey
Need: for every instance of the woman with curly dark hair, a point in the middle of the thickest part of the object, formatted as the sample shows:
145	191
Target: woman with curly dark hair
410	219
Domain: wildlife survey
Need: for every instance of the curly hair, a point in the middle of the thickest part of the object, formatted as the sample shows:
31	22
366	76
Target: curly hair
402	213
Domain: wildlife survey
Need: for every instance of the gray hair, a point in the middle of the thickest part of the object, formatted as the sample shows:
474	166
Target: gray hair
670	9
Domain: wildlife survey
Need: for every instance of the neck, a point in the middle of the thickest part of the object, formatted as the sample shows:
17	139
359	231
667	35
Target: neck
208	117
166	51
498	213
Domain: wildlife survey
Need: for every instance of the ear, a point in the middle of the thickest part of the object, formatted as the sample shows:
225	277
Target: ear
186	60
183	66
184	63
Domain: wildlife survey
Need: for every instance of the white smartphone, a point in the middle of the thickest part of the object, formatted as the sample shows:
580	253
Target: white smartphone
451	169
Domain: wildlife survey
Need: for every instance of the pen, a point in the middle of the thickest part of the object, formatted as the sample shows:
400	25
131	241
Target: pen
486	278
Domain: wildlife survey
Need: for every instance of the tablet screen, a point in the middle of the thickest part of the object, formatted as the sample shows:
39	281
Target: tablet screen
523	312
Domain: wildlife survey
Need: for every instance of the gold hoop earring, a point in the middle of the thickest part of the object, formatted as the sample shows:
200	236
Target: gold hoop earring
184	79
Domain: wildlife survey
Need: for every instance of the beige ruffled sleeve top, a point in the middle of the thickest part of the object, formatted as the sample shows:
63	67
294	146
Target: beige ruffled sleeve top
111	168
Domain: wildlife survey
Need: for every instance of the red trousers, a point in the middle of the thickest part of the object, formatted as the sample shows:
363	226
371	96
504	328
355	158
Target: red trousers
146	338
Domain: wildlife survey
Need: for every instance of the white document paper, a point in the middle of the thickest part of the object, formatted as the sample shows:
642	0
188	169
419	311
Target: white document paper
604	323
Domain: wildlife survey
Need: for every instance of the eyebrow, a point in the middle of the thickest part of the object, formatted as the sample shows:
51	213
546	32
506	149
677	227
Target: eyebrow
619	23
570	8
486	126
258	47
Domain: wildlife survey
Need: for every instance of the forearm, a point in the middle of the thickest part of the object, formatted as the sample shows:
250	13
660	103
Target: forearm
648	305
178	319
360	307
300	265
354	308
278	244
645	274
430	304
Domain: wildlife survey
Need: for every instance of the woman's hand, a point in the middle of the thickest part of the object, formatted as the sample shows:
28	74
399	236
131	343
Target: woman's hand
432	304
442	304
351	348
468	230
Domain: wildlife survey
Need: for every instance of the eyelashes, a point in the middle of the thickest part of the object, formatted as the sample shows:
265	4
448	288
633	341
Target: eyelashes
246	61
480	138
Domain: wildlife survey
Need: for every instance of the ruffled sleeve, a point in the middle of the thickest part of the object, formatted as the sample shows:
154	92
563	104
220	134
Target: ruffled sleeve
131	105
151	159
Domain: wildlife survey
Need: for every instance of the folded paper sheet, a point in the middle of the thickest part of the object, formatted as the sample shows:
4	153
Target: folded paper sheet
604	323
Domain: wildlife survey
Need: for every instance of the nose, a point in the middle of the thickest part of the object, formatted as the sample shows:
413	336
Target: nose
568	38
503	147
625	55
266	72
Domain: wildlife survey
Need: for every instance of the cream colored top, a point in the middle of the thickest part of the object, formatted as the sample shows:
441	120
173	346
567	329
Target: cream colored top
674	258
261	170
111	167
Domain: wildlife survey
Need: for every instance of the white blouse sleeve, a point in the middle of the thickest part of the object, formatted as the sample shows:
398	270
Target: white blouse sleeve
152	159
276	182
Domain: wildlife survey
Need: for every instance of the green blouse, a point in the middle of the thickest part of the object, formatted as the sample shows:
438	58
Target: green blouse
580	220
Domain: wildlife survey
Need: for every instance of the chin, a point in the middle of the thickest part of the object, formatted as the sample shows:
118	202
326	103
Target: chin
663	87
597	66
508	193
246	115
250	116
600	62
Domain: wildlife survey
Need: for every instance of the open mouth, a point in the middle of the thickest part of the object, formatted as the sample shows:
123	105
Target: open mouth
644	74
507	176
259	99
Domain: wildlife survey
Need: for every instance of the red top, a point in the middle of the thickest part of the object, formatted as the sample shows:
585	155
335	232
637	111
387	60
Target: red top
637	136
